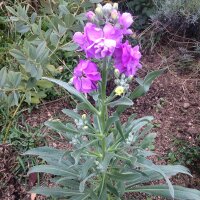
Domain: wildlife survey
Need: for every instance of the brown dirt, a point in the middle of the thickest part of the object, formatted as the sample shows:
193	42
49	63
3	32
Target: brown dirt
174	101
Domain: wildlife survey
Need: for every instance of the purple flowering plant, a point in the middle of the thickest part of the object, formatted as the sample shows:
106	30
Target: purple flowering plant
108	158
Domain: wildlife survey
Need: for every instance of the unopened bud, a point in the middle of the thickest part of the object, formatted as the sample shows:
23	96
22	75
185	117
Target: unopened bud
60	68
96	162
71	81
117	73
115	6
130	78
90	16
114	15
123	76
107	8
99	11
84	116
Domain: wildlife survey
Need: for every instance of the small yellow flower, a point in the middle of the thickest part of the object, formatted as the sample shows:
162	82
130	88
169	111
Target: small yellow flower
84	116
119	90
85	127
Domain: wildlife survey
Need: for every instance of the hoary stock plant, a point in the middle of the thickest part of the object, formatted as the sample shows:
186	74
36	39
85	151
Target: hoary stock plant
108	158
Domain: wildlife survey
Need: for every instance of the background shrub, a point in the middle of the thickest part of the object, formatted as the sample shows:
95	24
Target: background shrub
179	17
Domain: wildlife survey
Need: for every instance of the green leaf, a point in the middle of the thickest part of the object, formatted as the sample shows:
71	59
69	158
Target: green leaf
13	99
14	78
69	19
40	50
19	56
3	75
149	165
119	128
60	127
86	166
65	181
128	176
71	114
11	10
180	193
73	91
70	47
110	121
112	189
22	28
54	38
44	84
144	87
45	151
148	140
106	161
122	101
55	192
82	184
55	170
169	170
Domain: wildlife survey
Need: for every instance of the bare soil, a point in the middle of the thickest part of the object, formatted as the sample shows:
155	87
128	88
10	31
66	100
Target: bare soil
173	100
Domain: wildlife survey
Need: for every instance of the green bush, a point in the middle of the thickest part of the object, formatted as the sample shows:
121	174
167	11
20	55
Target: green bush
42	43
186	153
179	17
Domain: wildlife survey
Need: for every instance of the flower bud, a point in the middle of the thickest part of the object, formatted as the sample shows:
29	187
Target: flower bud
99	11
96	162
115	6
116	73
60	68
123	76
70	81
84	116
107	8
119	90
130	78
114	15
90	16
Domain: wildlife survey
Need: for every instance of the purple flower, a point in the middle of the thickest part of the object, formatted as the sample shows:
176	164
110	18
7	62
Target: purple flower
127	59
86	76
125	21
97	42
90	16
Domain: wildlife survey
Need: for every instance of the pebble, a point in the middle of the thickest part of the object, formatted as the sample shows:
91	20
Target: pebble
186	105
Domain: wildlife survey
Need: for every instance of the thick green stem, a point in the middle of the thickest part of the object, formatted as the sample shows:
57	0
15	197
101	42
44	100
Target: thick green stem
103	116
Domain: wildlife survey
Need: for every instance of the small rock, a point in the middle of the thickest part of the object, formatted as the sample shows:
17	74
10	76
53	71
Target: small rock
186	105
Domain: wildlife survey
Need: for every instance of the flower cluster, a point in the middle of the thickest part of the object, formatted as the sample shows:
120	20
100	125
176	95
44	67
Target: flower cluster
103	37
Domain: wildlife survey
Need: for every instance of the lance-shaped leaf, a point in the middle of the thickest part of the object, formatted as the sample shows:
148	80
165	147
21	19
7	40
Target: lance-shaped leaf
55	192
151	175
71	114
74	92
55	170
143	87
180	193
122	101
60	127
3	75
110	121
149	165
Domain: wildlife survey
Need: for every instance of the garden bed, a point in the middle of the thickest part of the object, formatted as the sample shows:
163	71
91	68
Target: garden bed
174	101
